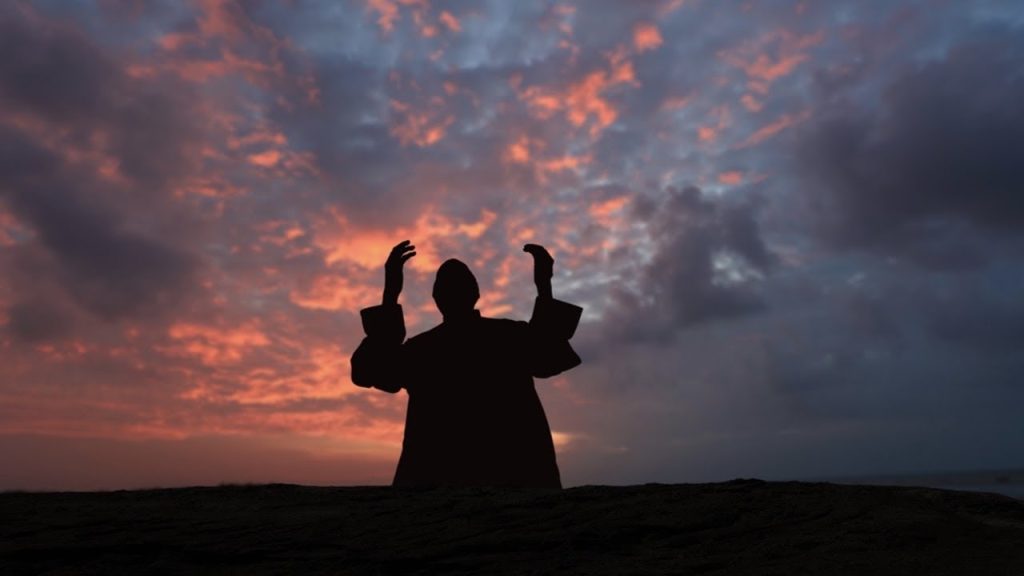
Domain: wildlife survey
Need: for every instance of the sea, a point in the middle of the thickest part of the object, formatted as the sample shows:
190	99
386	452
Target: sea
1006	482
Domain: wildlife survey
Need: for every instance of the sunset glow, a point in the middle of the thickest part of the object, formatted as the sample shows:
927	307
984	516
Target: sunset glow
794	227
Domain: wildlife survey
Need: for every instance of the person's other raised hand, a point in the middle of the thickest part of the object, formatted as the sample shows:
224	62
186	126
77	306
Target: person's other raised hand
543	268
394	276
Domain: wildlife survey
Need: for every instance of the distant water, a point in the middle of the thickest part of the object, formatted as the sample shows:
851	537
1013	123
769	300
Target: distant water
1011	490
1006	482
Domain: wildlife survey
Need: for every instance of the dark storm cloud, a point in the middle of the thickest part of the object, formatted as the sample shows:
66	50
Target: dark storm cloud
982	319
37	321
707	257
942	145
52	75
53	71
111	271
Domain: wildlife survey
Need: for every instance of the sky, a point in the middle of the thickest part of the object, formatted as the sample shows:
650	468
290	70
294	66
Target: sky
797	229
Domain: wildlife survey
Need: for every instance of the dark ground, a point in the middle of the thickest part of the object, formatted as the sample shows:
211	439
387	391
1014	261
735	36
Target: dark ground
739	527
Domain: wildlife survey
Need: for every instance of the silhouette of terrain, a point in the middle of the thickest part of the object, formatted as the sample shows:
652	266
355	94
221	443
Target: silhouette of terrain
739	527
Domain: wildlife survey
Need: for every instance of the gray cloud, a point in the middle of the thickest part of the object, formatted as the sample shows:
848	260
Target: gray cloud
708	257
941	146
55	74
107	269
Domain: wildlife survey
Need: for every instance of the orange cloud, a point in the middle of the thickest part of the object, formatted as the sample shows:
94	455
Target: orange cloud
770	57
731	178
419	18
519	151
670	7
387	13
92	153
321	372
241	47
258	135
723	119
583	102
175	41
604	212
62	352
213	345
450	22
280	232
419	128
561	163
773	128
706	133
525	150
342	241
751	103
213	187
646	37
492	303
675	103
266	159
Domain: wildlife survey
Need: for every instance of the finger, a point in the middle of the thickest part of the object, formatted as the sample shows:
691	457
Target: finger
408	256
401	245
409	248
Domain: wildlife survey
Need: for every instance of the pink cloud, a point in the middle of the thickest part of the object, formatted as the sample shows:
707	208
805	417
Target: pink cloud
342	241
731	178
450	22
770	57
387	13
266	159
722	116
530	152
773	128
333	291
419	128
214	345
646	37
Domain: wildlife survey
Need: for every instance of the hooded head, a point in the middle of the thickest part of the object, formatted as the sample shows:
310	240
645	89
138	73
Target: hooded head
455	289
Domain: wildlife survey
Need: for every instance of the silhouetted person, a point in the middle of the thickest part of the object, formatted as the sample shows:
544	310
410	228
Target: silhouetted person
474	417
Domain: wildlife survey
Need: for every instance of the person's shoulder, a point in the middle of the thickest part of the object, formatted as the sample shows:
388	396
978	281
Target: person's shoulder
504	324
425	336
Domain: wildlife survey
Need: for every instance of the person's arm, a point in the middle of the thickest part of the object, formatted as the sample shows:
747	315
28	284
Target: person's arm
552	324
378	361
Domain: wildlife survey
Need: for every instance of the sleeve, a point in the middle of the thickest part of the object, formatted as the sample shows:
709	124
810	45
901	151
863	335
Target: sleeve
378	362
552	325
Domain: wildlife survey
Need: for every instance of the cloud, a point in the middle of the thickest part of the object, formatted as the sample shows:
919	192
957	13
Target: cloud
707	259
37	321
940	146
646	37
111	271
117	136
981	319
773	128
196	199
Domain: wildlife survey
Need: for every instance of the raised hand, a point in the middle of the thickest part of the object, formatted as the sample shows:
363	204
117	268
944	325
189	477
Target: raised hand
394	277
543	268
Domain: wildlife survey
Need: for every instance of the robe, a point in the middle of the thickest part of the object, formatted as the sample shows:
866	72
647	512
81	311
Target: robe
473	417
